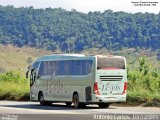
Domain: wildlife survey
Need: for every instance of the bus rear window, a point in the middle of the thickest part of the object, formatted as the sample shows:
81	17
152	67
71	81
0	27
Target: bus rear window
110	63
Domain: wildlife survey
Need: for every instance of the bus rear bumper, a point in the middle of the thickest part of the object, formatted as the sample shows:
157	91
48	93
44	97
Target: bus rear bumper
110	99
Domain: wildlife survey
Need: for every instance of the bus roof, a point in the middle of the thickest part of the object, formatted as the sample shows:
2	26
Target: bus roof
60	57
73	57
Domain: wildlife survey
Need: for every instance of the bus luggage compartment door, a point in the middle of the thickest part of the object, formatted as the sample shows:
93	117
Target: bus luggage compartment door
88	93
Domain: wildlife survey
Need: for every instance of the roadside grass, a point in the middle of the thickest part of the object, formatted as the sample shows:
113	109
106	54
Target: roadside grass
14	91
13	86
143	89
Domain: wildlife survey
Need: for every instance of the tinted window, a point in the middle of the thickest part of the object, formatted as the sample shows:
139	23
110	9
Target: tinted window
75	67
35	65
41	69
86	67
47	68
110	63
67	67
52	67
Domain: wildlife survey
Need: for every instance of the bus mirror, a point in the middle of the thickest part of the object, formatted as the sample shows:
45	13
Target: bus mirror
29	67
27	73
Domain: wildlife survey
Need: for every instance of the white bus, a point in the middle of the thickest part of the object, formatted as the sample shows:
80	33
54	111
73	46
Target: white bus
78	79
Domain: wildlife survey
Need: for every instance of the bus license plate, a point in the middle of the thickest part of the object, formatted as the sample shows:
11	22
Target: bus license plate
113	88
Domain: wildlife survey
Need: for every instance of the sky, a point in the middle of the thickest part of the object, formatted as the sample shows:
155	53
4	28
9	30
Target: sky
87	5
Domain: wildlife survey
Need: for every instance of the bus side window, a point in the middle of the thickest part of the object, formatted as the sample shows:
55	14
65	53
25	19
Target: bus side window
41	69
87	67
78	67
47	68
52	67
60	69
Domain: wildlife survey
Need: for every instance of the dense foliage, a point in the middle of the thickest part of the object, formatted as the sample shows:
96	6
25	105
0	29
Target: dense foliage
144	84
12	76
58	29
14	86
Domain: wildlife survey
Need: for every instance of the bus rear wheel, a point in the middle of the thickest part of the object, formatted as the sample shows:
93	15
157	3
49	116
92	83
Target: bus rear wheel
76	101
104	105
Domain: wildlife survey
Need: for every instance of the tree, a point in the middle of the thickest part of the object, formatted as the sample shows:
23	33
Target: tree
73	31
143	66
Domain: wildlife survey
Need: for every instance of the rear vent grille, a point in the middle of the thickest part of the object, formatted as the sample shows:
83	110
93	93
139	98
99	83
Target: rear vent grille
111	78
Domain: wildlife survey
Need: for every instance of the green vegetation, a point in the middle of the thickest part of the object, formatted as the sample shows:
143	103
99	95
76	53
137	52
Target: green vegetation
144	84
72	31
13	86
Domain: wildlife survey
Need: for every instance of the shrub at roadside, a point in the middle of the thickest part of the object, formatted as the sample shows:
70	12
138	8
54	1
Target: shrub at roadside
144	84
14	86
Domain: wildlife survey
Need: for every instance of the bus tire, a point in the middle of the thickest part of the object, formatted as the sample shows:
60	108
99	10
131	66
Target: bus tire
42	101
104	105
76	101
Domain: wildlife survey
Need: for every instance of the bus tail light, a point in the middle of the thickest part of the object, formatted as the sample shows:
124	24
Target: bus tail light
96	88
125	88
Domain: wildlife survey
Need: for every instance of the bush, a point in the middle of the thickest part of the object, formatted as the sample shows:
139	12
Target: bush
12	76
144	84
14	86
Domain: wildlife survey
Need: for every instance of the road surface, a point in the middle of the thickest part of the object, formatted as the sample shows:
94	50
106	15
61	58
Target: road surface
15	110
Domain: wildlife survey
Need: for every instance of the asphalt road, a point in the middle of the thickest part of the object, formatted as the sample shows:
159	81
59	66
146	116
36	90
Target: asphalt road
15	110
